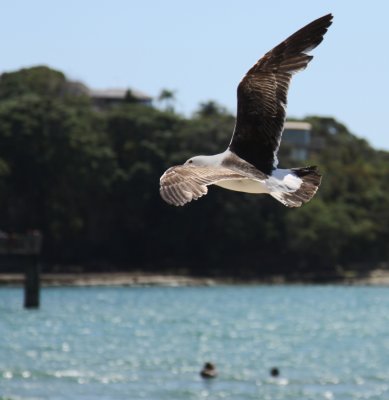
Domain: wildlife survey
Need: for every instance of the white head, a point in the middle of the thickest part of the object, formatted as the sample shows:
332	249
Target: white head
199	161
205	161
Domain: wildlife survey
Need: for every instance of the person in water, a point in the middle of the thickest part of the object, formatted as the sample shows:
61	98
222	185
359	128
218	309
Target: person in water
209	371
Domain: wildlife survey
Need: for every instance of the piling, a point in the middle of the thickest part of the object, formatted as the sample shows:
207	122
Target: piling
32	270
20	253
32	282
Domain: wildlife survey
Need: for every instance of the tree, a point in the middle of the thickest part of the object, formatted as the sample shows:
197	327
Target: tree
89	180
210	109
167	98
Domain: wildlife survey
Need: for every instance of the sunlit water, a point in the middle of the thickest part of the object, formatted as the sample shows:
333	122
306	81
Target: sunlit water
150	343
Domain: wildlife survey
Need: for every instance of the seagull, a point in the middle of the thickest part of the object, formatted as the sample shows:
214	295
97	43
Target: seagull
250	162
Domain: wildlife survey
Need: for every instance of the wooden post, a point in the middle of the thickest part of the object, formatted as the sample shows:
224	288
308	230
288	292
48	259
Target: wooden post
32	270
32	282
24	251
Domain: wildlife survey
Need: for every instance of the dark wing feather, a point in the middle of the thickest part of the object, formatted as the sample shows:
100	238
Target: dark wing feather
183	183
262	96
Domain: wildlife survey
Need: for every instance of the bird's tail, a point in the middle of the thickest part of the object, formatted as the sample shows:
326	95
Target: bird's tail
310	182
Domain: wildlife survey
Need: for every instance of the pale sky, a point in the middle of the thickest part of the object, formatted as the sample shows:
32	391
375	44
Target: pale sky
202	48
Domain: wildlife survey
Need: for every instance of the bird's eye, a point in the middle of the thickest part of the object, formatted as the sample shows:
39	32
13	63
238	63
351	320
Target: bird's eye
190	161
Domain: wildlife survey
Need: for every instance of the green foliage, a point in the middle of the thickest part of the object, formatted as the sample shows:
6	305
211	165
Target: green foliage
130	98
38	80
210	109
90	181
167	99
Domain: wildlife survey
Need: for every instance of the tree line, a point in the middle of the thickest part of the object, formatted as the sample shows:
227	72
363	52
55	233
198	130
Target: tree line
89	181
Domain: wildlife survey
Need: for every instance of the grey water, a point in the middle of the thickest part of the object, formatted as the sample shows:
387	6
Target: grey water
329	342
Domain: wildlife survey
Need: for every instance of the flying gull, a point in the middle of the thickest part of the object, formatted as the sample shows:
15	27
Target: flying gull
250	162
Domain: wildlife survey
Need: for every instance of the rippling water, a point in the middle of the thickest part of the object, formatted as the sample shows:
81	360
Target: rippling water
150	343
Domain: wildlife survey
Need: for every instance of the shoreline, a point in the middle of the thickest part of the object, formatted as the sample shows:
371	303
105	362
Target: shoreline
377	277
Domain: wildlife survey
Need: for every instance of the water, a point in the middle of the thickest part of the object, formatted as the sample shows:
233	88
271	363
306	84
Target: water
329	342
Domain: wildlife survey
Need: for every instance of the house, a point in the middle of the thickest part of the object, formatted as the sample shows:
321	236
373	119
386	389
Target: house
105	98
297	139
298	142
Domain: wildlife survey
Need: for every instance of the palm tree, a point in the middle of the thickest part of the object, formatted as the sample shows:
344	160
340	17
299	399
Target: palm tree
167	98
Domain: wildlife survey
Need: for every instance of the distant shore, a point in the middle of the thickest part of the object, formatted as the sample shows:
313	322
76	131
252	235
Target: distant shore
110	279
374	278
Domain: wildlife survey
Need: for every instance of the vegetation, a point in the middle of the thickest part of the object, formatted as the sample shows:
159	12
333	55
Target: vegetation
89	180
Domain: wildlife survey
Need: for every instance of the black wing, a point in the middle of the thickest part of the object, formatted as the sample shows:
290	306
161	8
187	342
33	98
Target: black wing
262	96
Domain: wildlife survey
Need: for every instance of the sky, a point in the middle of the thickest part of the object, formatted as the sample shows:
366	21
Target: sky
202	48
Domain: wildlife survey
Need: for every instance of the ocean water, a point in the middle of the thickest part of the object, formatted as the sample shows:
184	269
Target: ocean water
329	342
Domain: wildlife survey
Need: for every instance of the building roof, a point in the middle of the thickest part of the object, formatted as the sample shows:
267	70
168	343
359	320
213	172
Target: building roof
298	125
118	94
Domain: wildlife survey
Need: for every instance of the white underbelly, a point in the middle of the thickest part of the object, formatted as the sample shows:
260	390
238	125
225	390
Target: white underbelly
244	185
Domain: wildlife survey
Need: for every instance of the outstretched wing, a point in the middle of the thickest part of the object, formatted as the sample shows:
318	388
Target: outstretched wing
262	96
183	183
